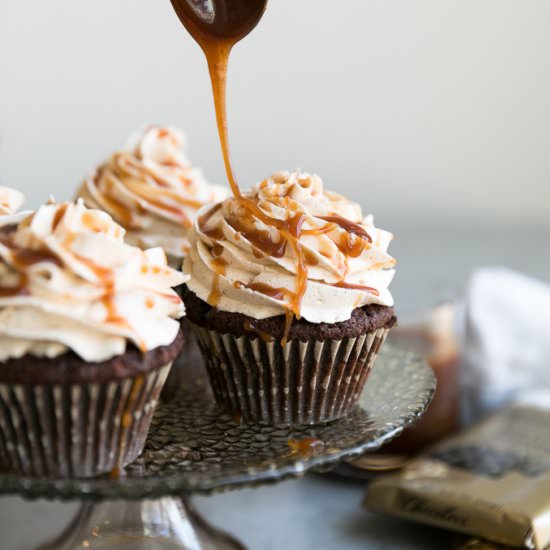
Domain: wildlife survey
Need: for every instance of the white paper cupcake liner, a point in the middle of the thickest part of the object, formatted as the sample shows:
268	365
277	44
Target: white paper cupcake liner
76	430
300	383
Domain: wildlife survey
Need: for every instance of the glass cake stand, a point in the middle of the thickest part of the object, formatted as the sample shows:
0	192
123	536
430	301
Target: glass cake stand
194	448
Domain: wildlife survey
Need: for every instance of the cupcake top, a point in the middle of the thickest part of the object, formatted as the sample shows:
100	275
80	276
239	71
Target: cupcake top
152	190
68	281
289	247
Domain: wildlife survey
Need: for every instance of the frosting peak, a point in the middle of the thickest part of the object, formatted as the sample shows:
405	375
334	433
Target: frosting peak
289	246
69	281
11	201
152	190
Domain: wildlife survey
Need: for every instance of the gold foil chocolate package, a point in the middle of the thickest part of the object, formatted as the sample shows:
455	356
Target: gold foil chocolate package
492	481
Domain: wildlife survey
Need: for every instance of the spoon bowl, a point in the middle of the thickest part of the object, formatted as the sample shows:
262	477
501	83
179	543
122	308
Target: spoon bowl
222	20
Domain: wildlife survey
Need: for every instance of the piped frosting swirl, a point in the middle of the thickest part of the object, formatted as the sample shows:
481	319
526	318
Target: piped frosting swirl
152	190
289	247
11	201
68	281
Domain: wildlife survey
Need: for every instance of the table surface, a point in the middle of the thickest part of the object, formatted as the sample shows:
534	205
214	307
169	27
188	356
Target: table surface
324	512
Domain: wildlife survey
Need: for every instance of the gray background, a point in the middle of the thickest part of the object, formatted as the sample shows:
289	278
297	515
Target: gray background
435	109
434	114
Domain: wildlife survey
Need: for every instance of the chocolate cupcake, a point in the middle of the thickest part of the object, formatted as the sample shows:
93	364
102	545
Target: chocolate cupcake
154	192
288	296
88	330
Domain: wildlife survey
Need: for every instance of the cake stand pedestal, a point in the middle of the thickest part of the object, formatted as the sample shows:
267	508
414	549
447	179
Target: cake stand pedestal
153	524
194	448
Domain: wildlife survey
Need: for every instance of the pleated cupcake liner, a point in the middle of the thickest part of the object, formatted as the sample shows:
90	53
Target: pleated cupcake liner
300	383
76	430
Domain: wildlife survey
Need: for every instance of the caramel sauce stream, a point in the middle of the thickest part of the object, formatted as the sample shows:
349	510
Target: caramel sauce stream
217	26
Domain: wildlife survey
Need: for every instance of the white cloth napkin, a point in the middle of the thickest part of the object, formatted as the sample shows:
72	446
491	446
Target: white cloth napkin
505	342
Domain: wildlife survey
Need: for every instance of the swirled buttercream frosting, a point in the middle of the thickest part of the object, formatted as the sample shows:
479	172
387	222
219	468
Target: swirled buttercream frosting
11	201
152	190
289	247
68	281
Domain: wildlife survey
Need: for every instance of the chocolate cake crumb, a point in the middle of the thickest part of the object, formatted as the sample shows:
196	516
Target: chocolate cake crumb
69	368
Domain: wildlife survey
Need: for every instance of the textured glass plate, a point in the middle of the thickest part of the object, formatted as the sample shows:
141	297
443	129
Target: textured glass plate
194	448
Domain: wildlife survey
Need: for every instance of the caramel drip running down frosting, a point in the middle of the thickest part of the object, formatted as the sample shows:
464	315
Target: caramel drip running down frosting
69	281
152	190
289	247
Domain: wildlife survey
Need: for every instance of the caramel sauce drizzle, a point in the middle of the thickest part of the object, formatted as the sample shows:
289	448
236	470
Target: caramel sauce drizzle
165	191
156	196
116	473
18	290
353	286
348	226
183	201
219	266
118	210
217	27
306	447
22	259
355	238
215	292
249	326
126	419
106	279
59	215
215	233
217	31
290	232
260	240
272	292
216	40
327	228
105	276
351	243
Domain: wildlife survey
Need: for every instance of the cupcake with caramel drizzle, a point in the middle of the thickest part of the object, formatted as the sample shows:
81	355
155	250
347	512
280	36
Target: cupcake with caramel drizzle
89	327
152	190
289	298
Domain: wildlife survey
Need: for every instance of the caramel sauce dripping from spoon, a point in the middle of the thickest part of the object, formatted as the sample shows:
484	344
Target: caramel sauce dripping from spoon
217	25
